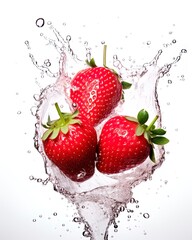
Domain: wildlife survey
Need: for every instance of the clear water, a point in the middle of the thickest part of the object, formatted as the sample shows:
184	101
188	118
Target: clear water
102	197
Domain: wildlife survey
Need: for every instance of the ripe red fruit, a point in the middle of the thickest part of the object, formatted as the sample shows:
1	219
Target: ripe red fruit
70	143
127	142
96	92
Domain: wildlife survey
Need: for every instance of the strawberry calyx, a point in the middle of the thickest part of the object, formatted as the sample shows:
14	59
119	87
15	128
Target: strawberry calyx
62	124
92	64
152	134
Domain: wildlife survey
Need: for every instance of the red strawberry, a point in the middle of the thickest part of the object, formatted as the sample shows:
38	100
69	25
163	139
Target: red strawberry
96	91
70	143
126	142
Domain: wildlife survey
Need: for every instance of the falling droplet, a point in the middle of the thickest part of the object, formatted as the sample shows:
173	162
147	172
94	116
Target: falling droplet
146	215
40	22
184	50
68	38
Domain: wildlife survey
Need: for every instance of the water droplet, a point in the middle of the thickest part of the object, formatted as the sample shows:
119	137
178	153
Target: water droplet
102	42
47	63
29	151
19	112
170	81
115	57
174	41
85	43
34	220
82	174
68	38
27	44
49	23
40	22
74	105
86	233
137	206
146	215
31	178
132	200
54	214
77	219
148	42
40	216
33	110
184	50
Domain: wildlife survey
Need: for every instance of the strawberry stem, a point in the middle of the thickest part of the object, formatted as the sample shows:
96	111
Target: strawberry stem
59	112
152	123
104	55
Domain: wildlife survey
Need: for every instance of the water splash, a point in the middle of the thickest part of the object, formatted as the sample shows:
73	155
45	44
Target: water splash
99	200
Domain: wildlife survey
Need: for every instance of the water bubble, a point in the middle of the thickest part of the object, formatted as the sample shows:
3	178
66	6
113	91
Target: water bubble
34	220
102	42
29	151
146	215
148	42
54	214
40	22
40	216
170	81
174	41
49	23
31	178
19	112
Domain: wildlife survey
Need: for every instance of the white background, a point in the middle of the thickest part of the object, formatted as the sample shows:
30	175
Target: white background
29	210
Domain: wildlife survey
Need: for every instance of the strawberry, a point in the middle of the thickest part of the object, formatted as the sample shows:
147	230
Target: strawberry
126	142
96	91
70	143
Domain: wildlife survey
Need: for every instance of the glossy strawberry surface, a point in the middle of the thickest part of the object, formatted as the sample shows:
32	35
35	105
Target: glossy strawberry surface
119	147
96	92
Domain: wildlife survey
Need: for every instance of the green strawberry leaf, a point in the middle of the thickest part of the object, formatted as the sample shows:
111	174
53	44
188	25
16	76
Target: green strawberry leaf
152	154
132	119
65	129
142	116
91	63
159	140
158	131
55	133
126	85
62	124
139	130
46	134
